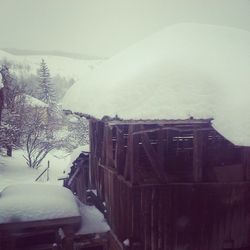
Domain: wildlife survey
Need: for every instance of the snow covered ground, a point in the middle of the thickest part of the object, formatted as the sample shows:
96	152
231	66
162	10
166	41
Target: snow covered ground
23	199
13	170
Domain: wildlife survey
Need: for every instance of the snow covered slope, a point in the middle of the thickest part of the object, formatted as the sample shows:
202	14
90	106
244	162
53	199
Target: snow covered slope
184	70
66	67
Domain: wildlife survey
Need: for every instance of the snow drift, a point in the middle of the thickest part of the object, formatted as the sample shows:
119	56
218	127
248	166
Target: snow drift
184	70
31	202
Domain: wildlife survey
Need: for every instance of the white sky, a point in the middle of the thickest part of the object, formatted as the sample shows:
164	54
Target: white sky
104	27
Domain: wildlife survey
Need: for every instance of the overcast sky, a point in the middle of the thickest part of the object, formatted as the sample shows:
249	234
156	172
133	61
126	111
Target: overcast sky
104	27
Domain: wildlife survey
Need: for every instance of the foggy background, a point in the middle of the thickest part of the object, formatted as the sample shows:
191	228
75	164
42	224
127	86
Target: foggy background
102	28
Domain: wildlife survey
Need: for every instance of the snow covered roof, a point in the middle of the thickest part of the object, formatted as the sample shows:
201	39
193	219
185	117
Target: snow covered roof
32	202
184	70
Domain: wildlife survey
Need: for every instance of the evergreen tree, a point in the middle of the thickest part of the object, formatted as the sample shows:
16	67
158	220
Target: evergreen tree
46	88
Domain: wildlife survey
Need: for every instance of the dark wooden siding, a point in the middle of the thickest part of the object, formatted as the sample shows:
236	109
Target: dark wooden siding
166	153
179	216
172	185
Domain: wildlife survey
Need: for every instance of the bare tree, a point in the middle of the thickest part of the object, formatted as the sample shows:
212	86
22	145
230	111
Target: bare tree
39	136
36	149
33	136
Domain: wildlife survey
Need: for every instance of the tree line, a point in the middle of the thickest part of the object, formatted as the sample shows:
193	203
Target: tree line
38	125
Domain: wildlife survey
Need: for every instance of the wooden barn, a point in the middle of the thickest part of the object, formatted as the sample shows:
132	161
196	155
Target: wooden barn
171	184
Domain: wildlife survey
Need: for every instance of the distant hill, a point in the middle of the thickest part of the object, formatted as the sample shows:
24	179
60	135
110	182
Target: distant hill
23	52
64	70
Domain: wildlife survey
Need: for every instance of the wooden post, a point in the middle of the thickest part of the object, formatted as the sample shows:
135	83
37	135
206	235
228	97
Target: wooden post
128	172
9	150
48	171
246	163
91	162
120	151
198	145
109	147
161	148
152	156
68	240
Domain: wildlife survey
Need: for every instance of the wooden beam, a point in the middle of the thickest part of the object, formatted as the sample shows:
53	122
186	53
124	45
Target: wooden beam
91	156
129	156
152	156
104	144
246	163
51	223
161	148
107	168
109	147
161	122
136	153
130	171
171	128
120	151
198	150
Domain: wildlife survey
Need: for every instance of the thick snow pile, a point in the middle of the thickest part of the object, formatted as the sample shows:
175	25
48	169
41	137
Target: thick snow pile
14	170
30	202
92	220
185	70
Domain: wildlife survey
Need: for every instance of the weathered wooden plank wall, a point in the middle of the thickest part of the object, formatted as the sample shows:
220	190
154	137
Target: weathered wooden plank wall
153	154
172	187
187	216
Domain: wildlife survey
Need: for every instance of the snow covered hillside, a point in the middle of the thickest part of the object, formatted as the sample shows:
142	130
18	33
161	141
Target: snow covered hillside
65	67
184	70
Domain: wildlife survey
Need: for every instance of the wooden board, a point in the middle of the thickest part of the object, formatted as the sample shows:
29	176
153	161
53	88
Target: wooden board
16	226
